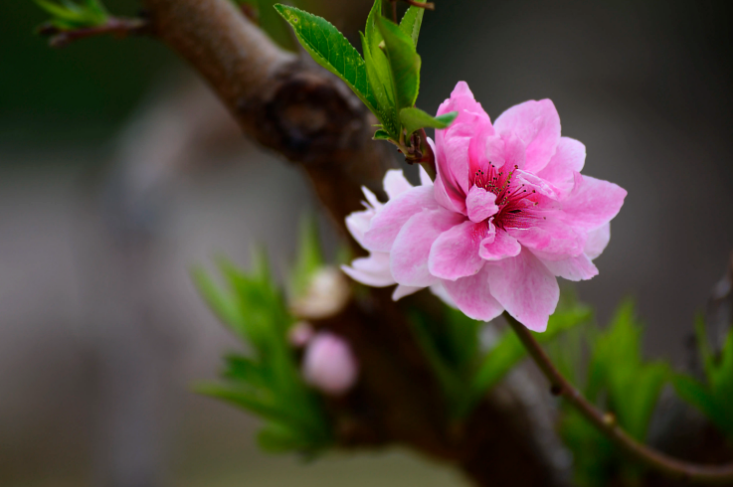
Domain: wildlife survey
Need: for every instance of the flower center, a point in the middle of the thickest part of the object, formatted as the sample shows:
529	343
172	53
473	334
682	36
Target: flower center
515	200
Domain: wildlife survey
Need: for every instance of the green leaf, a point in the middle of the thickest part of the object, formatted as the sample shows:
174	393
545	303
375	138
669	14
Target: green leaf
382	135
695	393
386	111
413	119
215	298
331	50
310	256
411	22
404	62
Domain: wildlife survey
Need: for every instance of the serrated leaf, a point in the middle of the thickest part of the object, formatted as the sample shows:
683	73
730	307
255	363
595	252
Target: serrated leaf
404	62
411	22
385	101
413	118
331	50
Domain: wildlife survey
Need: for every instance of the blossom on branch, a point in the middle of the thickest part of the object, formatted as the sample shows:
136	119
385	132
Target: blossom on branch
508	212
329	364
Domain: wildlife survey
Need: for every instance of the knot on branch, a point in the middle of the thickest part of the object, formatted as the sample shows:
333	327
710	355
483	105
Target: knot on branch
309	117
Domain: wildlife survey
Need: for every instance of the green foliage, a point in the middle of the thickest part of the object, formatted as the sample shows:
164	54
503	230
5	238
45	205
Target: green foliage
618	380
70	15
715	397
466	374
309	258
271	22
386	79
414	119
331	50
267	381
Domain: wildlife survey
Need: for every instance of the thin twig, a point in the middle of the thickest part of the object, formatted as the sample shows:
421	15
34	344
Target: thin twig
722	474
120	27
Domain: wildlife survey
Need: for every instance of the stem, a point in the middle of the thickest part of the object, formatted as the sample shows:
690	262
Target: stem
115	25
607	423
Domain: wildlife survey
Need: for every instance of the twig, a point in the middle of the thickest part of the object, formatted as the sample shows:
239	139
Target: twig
119	27
607	422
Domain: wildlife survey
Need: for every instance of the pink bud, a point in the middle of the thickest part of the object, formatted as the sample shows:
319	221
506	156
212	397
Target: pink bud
300	334
329	364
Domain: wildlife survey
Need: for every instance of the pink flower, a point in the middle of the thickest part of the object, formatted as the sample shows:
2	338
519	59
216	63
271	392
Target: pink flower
329	364
509	211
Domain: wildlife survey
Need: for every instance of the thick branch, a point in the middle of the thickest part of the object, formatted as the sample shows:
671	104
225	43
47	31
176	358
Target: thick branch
608	425
288	105
310	117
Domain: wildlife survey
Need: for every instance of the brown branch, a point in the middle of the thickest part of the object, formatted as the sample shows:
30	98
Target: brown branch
117	26
309	116
607	423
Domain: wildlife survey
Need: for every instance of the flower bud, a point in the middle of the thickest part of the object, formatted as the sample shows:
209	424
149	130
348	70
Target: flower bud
327	294
329	364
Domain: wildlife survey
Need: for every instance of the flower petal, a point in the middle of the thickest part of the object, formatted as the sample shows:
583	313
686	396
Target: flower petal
401	291
472	296
387	223
372	270
499	245
480	204
525	288
395	183
597	241
537	124
551	239
411	249
569	158
577	268
455	252
592	202
358	224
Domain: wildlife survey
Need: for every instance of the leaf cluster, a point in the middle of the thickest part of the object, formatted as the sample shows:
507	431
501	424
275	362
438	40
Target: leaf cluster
72	15
467	373
714	397
618	380
386	79
266	381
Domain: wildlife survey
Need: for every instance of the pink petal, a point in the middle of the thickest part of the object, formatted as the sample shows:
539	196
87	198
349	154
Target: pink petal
424	177
411	249
387	223
455	252
569	158
498	245
401	291
372	270
395	183
329	364
525	288
592	202
480	204
538	125
453	163
358	224
447	191
472	296
514	152
551	239
463	101
577	268
597	241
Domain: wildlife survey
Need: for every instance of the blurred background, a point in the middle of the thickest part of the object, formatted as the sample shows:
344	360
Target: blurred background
119	171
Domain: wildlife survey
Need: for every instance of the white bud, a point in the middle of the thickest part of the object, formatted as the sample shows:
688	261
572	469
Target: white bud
327	294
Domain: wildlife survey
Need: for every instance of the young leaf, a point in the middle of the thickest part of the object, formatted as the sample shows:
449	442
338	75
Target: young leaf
411	22
310	256
382	135
403	60
378	74
413	118
331	50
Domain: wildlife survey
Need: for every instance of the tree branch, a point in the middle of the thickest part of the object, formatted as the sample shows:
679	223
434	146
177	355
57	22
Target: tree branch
311	118
607	423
